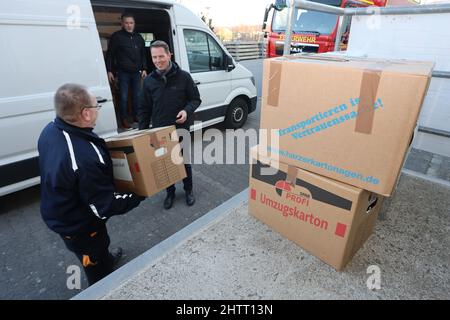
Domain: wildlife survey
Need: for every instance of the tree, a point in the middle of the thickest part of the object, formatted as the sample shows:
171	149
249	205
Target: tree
207	21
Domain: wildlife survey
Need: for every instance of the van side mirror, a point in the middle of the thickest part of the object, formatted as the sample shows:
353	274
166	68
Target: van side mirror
216	62
229	63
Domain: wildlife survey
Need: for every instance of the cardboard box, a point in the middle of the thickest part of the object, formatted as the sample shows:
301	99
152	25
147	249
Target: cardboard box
329	219
142	160
350	119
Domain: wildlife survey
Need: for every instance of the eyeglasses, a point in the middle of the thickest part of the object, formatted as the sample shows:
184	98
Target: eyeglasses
98	106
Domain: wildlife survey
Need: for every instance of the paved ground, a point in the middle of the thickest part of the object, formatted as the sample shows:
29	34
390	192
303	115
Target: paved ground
237	257
430	164
34	261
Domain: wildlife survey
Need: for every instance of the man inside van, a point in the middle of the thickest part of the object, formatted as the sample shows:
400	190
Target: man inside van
169	97
77	187
126	57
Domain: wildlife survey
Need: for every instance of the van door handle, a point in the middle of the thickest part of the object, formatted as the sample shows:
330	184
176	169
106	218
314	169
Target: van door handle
101	100
197	82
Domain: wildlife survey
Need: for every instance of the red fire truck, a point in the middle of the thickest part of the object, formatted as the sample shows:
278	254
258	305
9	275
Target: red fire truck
312	31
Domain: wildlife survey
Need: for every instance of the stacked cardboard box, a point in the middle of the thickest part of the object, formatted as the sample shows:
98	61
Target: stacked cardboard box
342	128
328	218
147	161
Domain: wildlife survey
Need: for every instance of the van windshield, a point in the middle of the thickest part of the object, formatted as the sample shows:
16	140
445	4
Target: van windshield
307	21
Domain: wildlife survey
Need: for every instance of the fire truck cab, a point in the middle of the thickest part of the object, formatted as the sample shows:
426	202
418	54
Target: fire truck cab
313	31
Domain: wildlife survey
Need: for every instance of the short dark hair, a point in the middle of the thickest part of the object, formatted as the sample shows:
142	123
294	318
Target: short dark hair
160	44
69	99
127	15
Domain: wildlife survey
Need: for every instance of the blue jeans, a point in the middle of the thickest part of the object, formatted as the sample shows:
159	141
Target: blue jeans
126	80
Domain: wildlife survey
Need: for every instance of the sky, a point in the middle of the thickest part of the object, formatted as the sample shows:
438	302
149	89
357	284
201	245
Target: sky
228	13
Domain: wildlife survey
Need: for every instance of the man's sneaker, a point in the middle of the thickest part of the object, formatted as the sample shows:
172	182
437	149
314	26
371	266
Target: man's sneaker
190	199
116	254
168	202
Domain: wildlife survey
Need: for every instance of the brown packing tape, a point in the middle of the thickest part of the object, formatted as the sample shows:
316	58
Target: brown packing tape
291	176
173	135
273	96
367	97
154	142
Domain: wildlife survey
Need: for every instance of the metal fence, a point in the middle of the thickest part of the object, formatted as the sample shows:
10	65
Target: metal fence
245	50
347	13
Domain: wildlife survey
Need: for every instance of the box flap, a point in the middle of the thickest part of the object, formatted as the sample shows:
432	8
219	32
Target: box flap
128	135
410	67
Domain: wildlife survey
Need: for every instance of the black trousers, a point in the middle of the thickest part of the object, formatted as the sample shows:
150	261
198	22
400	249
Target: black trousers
93	253
187	182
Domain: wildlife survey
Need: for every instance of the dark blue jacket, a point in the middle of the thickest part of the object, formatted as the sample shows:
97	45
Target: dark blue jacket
163	97
77	186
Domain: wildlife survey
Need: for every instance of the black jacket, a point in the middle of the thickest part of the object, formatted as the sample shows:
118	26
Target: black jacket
126	52
164	97
77	186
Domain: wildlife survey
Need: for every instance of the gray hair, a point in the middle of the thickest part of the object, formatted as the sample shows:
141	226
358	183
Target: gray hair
70	99
160	44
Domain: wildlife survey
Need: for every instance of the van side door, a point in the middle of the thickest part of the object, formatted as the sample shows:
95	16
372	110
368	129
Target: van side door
206	61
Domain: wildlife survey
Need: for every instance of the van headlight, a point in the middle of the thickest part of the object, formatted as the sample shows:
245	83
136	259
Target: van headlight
253	80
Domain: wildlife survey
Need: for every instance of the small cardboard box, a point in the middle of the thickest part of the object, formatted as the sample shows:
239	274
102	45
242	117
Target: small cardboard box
146	162
327	218
349	119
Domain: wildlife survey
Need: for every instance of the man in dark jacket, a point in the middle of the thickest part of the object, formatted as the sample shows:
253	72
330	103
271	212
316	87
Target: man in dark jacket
126	56
169	97
77	186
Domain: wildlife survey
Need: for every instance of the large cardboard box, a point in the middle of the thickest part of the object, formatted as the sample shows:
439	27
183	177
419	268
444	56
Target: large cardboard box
327	218
146	162
350	119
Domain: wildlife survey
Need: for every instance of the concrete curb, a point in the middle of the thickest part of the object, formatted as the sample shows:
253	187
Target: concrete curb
441	182
121	275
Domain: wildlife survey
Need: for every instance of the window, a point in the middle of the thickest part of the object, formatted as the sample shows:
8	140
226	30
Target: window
308	21
204	53
216	54
148	38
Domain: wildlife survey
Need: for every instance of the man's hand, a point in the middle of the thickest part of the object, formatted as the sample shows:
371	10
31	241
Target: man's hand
111	77
143	74
181	117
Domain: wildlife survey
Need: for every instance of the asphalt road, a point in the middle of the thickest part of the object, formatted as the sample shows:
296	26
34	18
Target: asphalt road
34	260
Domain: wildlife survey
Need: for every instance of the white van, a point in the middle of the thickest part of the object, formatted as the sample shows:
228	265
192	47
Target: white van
46	43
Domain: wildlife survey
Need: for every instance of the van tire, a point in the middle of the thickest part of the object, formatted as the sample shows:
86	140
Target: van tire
236	114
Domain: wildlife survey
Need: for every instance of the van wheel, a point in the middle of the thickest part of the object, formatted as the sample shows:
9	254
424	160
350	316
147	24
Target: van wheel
236	114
